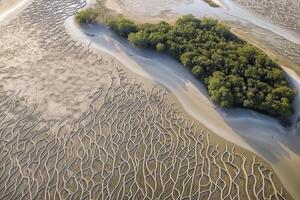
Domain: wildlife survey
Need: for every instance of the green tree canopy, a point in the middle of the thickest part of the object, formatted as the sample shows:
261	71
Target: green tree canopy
234	72
86	16
122	25
160	47
197	70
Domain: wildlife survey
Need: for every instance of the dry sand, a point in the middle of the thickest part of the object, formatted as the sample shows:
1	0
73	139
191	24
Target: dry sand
10	8
141	12
48	78
7	5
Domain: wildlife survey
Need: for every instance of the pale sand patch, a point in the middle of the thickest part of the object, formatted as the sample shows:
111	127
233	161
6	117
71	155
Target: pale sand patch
10	8
112	4
221	4
141	11
7	4
285	13
48	78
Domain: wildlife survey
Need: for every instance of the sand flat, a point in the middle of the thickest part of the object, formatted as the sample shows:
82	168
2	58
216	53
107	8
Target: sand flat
130	139
7	4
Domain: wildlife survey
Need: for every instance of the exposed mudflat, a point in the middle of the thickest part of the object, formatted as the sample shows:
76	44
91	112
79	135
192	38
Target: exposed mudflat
75	124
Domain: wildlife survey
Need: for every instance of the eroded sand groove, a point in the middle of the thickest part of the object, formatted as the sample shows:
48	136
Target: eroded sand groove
130	142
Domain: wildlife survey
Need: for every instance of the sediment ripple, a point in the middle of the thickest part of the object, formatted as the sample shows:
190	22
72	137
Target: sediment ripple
130	142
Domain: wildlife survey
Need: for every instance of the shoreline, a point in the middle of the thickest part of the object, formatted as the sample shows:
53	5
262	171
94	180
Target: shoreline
188	103
235	28
280	144
238	30
227	11
143	76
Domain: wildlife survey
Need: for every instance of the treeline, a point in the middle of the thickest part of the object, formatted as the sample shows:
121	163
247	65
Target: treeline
234	72
87	16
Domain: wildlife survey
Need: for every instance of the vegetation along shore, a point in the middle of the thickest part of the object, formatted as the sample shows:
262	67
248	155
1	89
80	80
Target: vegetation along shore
235	73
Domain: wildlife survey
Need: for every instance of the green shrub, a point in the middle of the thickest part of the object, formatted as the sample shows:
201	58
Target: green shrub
86	16
197	71
187	58
139	39
160	47
122	25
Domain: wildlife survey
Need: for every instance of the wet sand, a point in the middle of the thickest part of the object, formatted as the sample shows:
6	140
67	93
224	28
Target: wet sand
265	139
269	139
158	68
131	139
